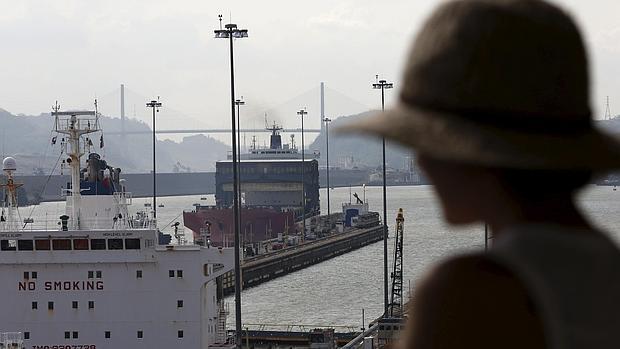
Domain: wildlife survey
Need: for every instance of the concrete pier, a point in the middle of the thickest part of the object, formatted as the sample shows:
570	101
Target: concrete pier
263	268
295	339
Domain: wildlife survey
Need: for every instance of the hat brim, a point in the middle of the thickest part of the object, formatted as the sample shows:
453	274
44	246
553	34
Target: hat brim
453	138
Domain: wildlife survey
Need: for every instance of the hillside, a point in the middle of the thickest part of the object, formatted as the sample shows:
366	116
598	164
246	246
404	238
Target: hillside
348	150
28	139
357	151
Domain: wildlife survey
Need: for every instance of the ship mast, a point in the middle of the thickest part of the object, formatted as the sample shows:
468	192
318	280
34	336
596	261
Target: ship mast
275	141
75	124
275	129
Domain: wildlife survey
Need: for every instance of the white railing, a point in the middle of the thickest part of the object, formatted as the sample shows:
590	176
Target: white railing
123	198
221	333
359	340
55	224
11	340
64	123
293	327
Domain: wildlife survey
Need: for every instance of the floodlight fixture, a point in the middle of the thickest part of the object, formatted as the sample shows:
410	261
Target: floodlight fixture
240	33
231	31
221	34
382	84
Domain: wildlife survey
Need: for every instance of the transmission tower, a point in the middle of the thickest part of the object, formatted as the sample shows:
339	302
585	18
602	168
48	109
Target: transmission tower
607	110
396	301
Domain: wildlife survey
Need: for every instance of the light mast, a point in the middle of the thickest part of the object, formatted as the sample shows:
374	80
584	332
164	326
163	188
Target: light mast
75	124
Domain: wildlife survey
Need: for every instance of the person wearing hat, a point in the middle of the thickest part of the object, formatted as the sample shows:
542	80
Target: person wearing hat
495	101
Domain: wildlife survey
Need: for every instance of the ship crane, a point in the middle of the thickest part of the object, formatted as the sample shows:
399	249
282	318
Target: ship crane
178	235
359	201
396	302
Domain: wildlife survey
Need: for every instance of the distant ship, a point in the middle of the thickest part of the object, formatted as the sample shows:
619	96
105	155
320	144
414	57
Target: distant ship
271	195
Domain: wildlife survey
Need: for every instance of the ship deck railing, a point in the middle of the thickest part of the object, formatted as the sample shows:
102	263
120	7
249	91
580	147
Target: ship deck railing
86	224
11	340
296	327
358	341
187	247
85	121
123	197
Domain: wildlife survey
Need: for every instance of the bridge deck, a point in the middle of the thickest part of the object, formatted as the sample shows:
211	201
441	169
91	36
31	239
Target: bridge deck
213	130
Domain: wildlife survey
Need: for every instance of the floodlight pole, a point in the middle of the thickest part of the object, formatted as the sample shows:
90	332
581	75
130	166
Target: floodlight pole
231	31
302	113
383	85
155	105
327	121
239	103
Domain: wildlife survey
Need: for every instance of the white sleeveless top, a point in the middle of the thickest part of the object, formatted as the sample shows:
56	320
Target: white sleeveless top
573	279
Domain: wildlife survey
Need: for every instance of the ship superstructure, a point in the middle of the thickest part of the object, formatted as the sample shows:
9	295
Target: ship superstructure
101	278
275	150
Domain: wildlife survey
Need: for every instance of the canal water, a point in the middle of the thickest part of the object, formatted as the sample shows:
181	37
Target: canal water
335	292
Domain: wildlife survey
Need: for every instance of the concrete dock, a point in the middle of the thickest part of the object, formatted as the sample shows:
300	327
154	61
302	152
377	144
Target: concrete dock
259	269
294	339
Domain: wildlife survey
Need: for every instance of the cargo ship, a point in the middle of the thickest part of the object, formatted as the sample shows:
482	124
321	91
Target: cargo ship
271	195
101	275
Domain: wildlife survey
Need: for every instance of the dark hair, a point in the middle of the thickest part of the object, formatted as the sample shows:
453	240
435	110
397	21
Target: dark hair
542	184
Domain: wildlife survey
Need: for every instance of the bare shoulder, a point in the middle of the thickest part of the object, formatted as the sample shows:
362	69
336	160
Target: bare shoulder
472	301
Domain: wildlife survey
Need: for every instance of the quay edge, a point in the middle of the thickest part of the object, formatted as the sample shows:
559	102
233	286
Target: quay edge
263	268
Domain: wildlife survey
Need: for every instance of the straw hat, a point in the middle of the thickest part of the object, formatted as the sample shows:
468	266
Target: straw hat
500	83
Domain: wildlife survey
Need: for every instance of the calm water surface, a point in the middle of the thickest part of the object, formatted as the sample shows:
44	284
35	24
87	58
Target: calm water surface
335	292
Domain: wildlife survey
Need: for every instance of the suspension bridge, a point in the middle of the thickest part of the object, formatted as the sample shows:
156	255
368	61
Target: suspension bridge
214	130
253	114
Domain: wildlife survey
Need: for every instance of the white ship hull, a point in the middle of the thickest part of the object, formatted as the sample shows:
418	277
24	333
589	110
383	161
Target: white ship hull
159	293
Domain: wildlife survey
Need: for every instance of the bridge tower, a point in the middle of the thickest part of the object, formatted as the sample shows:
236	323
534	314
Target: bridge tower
123	110
607	110
322	116
396	301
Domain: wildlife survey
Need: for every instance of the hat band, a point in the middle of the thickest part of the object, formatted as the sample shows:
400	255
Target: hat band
517	121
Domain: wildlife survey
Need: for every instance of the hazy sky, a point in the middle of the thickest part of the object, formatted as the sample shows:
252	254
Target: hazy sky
74	51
